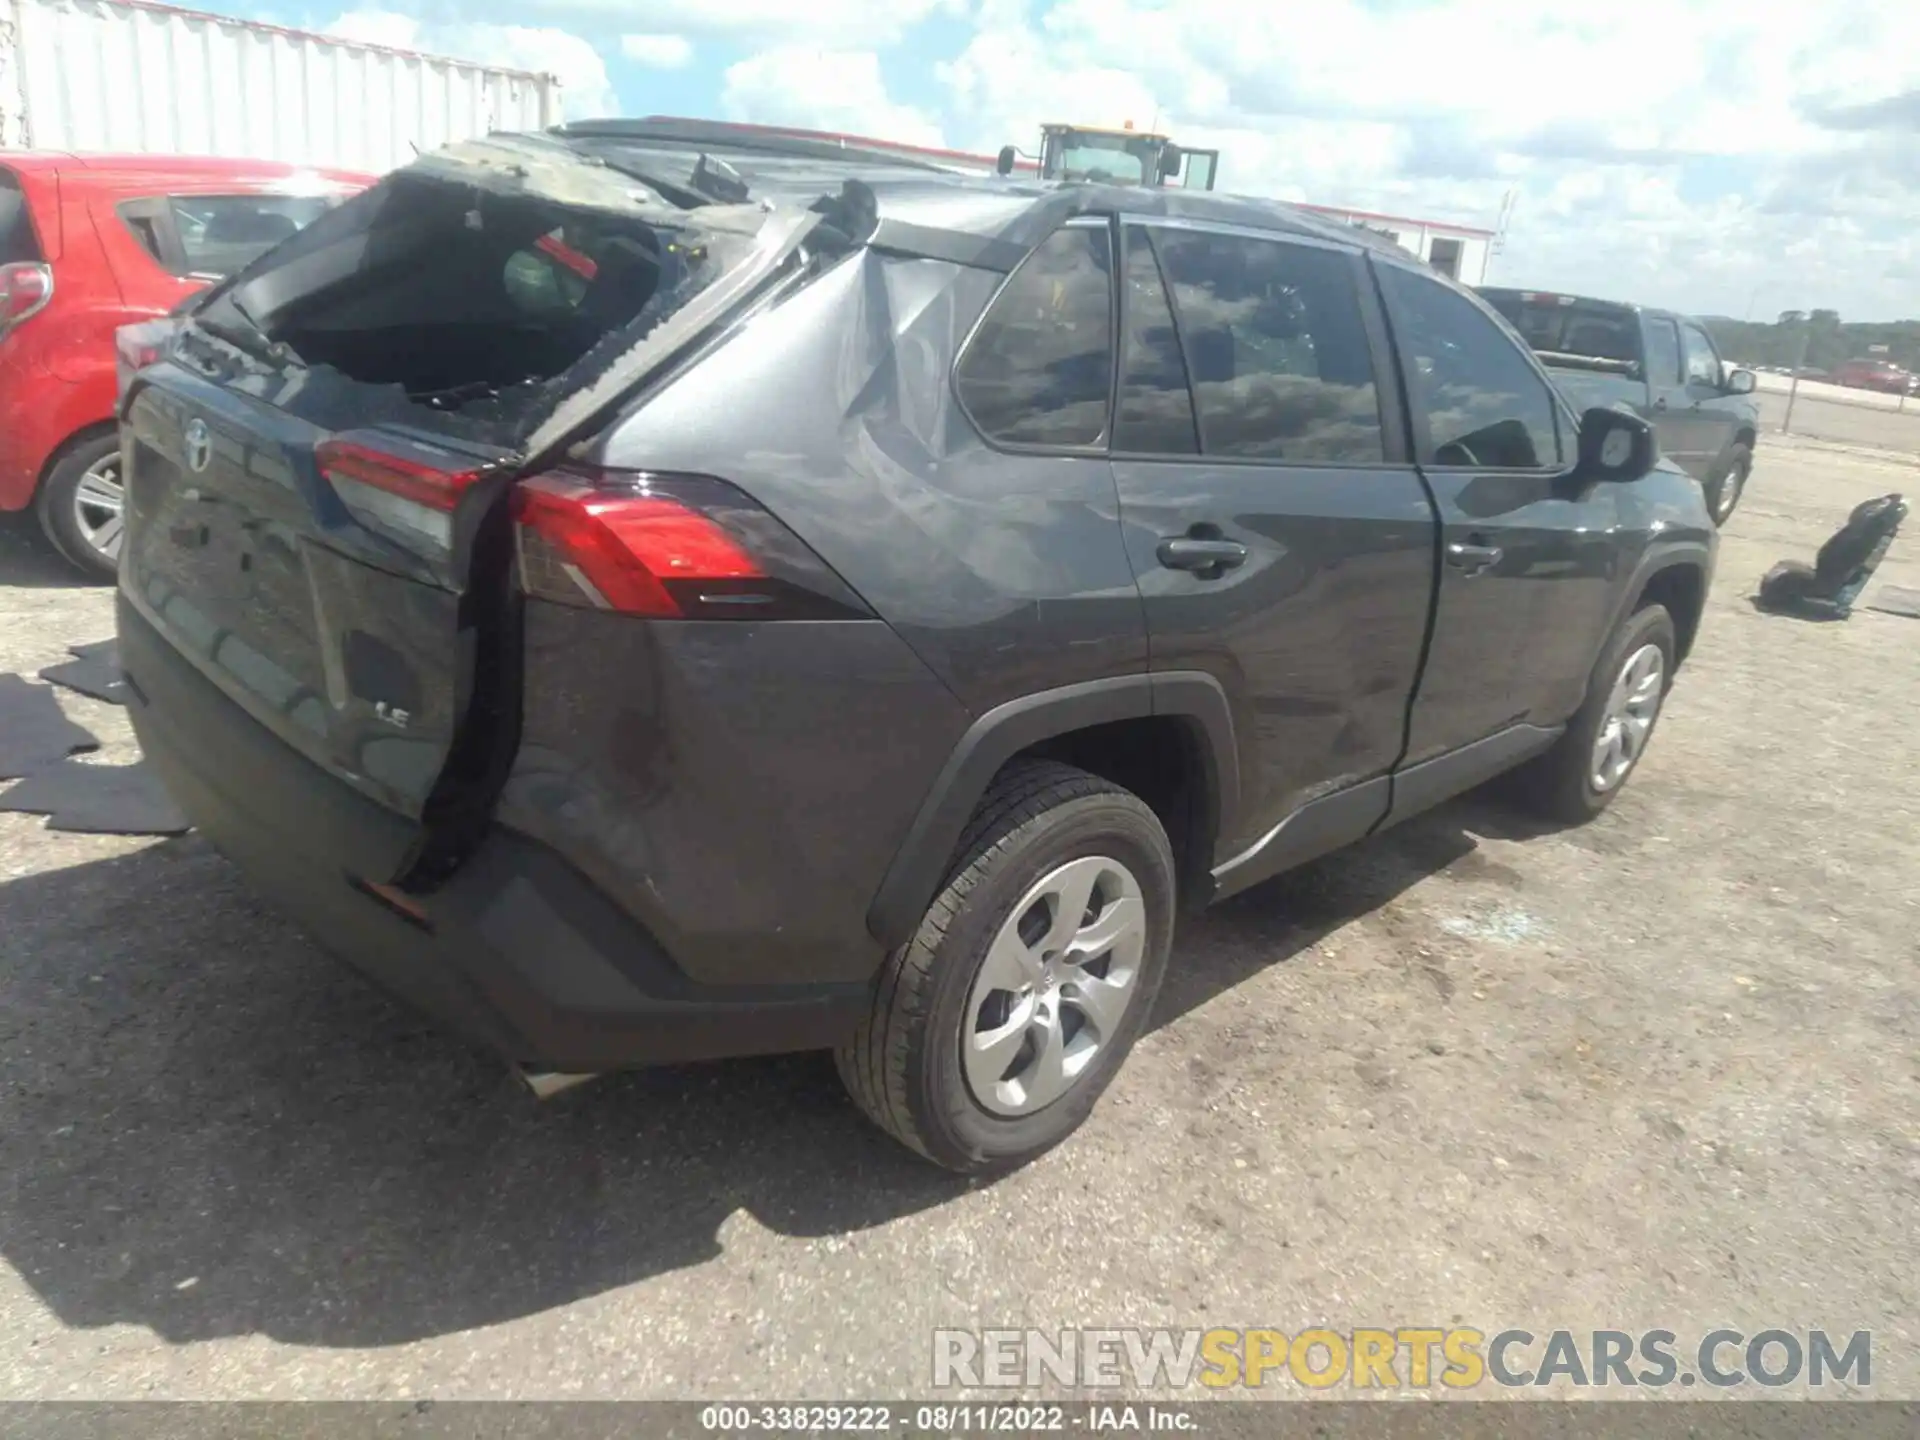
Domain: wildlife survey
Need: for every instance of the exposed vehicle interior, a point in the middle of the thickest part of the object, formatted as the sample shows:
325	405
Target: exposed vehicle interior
460	295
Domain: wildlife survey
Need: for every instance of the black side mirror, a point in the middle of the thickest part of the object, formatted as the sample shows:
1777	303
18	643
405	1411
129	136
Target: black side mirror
1740	382
1614	445
1004	164
1171	159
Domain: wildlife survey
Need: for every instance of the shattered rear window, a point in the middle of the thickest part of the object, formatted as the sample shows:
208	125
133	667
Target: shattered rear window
486	280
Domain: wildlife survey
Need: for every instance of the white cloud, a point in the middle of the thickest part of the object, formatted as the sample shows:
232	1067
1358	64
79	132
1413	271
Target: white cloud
1665	170
1681	160
585	89
822	89
759	22
661	52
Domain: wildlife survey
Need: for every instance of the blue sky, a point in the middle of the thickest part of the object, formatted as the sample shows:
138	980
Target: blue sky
1729	155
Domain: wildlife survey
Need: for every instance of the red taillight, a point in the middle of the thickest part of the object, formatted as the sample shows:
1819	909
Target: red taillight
24	292
137	346
434	486
409	498
637	551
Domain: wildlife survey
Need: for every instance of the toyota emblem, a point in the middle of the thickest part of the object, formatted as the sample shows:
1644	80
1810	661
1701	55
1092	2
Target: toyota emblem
199	445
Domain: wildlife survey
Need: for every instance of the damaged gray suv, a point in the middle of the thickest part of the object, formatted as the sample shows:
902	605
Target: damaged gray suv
645	595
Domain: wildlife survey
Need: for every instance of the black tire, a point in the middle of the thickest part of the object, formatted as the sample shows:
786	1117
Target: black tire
1559	784
1724	497
903	1067
55	504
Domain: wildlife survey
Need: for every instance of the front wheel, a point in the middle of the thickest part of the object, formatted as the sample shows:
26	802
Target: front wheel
996	1028
1589	764
1732	484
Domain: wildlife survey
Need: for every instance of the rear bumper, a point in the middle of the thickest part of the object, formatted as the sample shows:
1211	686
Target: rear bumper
518	952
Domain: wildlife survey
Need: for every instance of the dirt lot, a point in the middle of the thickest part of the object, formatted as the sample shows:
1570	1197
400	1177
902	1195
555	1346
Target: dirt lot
1844	420
1662	1071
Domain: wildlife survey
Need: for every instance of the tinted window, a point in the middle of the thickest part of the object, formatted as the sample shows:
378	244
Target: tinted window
18	243
1559	325
1040	367
146	230
1663	352
224	233
1275	346
1156	408
1703	366
1483	403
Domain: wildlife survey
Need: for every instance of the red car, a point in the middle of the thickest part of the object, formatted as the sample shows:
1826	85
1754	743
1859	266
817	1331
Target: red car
1874	375
91	243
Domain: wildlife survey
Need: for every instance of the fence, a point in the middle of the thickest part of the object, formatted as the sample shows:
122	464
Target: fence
1838	413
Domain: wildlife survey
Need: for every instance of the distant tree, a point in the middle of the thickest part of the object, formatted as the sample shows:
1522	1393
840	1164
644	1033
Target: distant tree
1827	340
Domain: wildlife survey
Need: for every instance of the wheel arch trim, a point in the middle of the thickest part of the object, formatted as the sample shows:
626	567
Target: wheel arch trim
1676	555
995	737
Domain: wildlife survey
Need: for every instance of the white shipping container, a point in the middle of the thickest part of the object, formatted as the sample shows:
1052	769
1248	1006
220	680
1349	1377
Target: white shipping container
130	76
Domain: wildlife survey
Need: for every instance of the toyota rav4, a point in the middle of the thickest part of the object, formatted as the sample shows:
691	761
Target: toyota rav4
646	603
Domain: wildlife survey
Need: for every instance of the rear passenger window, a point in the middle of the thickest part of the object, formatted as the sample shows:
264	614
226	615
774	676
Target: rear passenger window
1276	347
146	230
1156	408
1483	403
221	234
1039	370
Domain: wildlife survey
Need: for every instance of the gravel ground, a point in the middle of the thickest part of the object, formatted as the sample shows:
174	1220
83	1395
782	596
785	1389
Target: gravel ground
1663	1071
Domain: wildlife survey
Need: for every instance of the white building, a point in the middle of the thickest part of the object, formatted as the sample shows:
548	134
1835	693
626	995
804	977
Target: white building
1460	251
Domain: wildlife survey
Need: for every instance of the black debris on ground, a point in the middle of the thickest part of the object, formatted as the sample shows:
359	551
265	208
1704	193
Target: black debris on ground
90	677
34	731
98	799
105	652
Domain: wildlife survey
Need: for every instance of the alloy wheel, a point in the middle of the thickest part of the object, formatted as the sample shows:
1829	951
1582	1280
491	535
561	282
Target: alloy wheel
1632	706
1055	986
98	502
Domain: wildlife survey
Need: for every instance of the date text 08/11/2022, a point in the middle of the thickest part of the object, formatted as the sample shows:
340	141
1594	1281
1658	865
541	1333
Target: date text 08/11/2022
946	1418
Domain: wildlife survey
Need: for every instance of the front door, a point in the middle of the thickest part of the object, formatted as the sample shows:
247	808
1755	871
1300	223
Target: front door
1526	555
1282	540
1711	422
1667	399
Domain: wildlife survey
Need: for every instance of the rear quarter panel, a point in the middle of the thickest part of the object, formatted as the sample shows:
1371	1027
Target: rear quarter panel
1006	573
739	788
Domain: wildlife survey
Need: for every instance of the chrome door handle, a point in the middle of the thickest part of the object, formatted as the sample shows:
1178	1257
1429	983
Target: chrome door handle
1206	558
1474	559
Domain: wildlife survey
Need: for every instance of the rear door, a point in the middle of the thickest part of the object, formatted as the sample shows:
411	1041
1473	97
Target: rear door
1281	537
1526	554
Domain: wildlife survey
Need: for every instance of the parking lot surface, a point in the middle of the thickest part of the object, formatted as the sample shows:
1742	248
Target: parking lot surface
1662	1071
